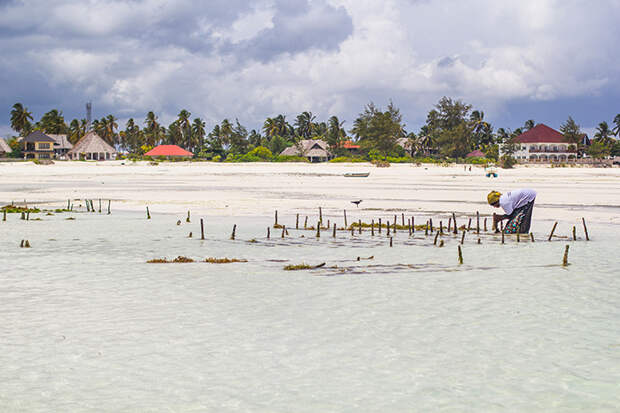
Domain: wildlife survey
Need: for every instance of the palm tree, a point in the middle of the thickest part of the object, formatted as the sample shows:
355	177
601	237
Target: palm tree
20	119
152	129
199	132
603	134
304	124
529	124
617	126
335	133
111	127
52	122
185	128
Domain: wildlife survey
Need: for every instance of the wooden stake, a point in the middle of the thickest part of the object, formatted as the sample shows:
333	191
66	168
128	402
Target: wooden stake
436	236
501	226
440	243
426	230
403	219
395	224
148	214
275	222
202	229
100	205
518	237
574	233
345	218
68	203
502	237
4	215
232	236
449	224
552	231
188	217
372	228
190	235
283	231
297	221
532	236
477	222
460	255
440	227
320	216
318	229
469	225
585	229
334	233
306	222
391	242
454	221
388	228
565	259
28	216
360	224
109	202
431	223
412	225
463	237
268	232
485	225
409	224
379	225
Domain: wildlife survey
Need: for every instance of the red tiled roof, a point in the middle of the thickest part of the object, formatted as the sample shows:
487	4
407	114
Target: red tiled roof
541	134
168	150
349	145
477	153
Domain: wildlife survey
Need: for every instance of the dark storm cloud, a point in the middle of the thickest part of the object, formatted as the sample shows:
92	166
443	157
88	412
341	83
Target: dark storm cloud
297	27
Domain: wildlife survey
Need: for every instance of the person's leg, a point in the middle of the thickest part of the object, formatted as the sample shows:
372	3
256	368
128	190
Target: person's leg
527	218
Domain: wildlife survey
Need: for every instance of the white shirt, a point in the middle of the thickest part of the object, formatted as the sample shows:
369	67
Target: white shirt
516	199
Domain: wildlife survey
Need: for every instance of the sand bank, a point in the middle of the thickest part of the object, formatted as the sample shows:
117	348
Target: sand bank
259	188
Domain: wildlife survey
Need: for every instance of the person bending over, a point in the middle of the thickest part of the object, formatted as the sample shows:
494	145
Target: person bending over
517	205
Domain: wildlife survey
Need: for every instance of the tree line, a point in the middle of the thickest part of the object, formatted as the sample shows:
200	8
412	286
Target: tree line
452	130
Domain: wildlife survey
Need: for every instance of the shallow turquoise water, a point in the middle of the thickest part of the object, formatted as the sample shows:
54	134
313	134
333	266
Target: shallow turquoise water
88	325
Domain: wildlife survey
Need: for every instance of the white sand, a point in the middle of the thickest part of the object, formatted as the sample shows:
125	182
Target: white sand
259	188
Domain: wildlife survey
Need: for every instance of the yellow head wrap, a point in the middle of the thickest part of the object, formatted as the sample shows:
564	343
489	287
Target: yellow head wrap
493	197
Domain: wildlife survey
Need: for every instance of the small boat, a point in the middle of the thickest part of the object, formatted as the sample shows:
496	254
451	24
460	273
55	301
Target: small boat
357	174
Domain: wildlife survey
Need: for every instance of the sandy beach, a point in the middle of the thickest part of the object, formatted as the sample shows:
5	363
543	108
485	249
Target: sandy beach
259	188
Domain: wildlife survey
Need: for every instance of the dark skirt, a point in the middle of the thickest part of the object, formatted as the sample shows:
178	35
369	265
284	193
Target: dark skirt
520	220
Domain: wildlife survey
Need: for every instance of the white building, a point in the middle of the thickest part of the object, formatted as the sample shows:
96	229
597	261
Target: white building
544	144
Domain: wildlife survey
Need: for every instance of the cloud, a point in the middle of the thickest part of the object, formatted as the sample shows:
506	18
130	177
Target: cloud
256	59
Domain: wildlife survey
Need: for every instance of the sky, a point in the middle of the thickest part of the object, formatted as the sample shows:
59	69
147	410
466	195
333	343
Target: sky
515	60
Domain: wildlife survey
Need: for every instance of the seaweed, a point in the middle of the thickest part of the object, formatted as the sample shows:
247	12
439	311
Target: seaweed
212	260
303	267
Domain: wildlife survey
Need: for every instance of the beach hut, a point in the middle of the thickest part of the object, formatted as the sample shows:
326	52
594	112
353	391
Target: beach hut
38	145
311	149
5	149
169	151
475	154
61	145
351	147
92	147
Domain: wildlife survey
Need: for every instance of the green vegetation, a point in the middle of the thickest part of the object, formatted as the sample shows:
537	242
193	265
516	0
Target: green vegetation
14	209
452	129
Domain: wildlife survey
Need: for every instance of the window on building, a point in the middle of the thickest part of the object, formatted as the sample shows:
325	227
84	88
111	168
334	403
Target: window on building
44	145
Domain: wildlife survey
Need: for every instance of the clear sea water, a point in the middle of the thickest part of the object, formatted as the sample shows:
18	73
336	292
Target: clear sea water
88	326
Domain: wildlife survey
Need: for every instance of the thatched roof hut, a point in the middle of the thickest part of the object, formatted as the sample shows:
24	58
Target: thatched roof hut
313	150
92	147
5	149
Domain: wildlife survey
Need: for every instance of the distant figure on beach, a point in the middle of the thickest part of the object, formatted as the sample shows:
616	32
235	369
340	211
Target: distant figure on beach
517	205
357	203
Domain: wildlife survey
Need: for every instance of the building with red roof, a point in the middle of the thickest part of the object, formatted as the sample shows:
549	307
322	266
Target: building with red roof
475	154
543	144
169	151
